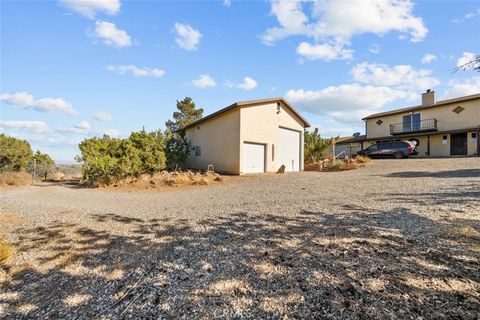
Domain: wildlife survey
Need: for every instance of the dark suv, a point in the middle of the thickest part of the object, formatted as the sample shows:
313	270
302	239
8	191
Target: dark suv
396	149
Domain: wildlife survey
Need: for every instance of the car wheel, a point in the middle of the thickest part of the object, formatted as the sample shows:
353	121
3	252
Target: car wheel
398	155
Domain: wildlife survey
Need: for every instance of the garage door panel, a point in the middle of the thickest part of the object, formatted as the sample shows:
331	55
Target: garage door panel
253	158
289	149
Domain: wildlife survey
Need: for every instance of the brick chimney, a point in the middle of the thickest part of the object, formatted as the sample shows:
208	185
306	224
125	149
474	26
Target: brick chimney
428	98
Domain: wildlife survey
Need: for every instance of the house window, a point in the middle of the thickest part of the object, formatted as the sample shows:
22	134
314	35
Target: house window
198	151
458	109
445	139
379	122
474	137
411	122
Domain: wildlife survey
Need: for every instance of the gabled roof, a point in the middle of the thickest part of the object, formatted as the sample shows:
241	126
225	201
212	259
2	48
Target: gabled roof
251	103
421	107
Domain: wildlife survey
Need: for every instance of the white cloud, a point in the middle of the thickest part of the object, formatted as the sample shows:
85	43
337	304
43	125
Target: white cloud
25	100
324	51
375	48
463	60
82	127
112	36
428	57
343	19
458	88
334	132
473	14
204	81
136	71
113	133
292	21
347	102
187	37
337	21
247	84
85	129
90	8
102	116
467	16
25	125
227	3
400	76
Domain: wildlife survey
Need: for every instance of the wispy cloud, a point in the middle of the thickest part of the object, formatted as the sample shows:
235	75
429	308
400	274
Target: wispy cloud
247	84
187	37
204	81
428	58
137	71
31	126
111	35
27	101
89	8
103	116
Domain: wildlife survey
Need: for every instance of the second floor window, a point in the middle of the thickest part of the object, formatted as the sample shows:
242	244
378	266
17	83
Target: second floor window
411	122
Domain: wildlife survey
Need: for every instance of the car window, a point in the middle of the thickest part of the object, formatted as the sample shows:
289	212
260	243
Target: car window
373	147
399	144
385	145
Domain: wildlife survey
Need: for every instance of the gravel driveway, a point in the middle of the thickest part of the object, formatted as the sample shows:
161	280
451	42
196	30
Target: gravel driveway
398	238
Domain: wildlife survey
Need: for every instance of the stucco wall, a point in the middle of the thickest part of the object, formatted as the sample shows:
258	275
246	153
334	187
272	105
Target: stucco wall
471	144
260	124
219	140
447	119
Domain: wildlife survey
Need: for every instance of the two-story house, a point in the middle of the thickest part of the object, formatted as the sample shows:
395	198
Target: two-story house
438	128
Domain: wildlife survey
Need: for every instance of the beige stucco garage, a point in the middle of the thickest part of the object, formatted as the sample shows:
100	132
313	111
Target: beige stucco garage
248	137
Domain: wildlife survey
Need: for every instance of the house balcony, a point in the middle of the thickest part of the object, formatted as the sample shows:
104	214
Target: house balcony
415	127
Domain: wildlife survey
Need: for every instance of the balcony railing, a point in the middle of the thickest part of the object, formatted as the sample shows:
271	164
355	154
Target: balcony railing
415	126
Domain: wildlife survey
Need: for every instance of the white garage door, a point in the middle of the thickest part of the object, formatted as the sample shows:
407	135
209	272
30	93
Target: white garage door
253	158
289	149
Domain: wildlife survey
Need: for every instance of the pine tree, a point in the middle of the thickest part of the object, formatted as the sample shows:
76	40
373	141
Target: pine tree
177	146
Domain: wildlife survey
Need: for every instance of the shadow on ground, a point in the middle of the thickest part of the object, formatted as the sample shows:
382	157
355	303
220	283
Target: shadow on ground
357	264
462	173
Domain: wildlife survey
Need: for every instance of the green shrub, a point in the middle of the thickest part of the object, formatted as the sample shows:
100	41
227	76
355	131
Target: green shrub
14	153
106	159
316	148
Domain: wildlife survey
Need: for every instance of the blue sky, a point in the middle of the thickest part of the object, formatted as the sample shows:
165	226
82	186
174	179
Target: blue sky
73	69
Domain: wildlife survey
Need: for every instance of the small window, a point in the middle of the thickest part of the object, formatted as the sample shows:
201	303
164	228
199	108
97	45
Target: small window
198	151
379	122
273	152
444	137
458	109
474	135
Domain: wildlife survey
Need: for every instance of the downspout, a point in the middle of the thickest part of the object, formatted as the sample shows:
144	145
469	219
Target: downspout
478	143
366	133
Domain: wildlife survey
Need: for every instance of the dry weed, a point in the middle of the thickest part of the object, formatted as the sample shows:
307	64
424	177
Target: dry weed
6	250
20	178
362	159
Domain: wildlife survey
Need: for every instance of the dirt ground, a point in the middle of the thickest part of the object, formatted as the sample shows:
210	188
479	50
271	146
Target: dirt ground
396	239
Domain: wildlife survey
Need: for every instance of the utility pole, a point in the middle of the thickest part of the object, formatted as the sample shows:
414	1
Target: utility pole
34	169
